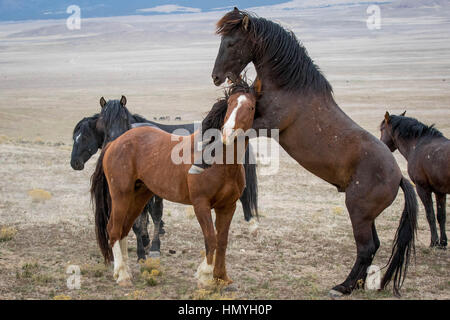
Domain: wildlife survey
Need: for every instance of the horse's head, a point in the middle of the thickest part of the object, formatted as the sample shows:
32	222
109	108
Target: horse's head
236	48
86	142
114	119
387	133
239	116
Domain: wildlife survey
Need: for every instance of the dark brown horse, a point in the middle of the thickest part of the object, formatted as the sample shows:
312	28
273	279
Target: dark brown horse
428	154
139	164
297	99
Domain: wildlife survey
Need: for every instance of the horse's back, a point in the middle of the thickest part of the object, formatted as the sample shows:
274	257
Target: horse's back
430	165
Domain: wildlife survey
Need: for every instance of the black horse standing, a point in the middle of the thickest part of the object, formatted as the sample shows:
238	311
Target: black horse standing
428	154
87	140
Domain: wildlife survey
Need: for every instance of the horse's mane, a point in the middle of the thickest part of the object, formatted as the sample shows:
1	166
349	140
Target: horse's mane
407	128
114	112
139	119
287	58
215	117
84	120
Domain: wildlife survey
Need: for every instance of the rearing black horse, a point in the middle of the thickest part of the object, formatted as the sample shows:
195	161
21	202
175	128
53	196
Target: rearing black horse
297	99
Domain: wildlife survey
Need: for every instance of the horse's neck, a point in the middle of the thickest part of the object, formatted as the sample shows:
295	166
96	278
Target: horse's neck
231	150
406	146
277	108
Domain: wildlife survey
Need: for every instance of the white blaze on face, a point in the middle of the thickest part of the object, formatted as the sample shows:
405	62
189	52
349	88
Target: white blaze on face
229	126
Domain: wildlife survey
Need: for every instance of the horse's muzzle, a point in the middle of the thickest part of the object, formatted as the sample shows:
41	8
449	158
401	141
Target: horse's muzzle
77	164
216	79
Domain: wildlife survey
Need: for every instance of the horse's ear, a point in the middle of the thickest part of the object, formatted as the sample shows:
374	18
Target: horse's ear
387	117
123	101
235	9
245	22
102	102
403	114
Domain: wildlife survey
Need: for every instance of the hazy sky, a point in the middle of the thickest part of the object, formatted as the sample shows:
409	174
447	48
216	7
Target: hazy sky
13	10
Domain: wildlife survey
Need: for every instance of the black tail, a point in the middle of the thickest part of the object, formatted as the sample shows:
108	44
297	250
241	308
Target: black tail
249	197
101	201
403	241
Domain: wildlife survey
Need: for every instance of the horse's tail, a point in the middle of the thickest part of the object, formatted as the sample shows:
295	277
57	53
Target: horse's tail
403	241
101	201
249	196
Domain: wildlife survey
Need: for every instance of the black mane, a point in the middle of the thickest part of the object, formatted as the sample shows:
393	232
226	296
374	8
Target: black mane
116	120
83	121
291	66
139	119
407	128
215	117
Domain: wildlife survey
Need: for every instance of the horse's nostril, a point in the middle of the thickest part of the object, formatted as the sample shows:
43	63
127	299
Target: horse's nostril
77	165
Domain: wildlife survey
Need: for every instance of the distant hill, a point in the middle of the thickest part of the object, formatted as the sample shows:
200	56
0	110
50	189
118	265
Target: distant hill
420	3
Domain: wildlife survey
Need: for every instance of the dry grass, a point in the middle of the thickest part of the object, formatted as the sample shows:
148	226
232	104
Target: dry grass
150	271
303	247
7	233
62	297
39	195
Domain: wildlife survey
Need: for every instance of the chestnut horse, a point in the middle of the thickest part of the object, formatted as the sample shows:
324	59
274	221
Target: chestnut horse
428	154
138	165
298	100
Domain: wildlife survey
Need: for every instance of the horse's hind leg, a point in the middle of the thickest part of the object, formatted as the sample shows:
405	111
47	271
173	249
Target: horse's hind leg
363	208
427	201
365	252
441	217
156	214
136	210
126	207
121	272
121	203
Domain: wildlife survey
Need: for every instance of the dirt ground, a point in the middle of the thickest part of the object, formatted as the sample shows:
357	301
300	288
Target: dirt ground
51	77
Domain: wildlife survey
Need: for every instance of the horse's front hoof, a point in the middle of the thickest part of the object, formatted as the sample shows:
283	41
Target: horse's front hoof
339	291
141	257
434	244
154	254
125	283
231	287
253	227
334	294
